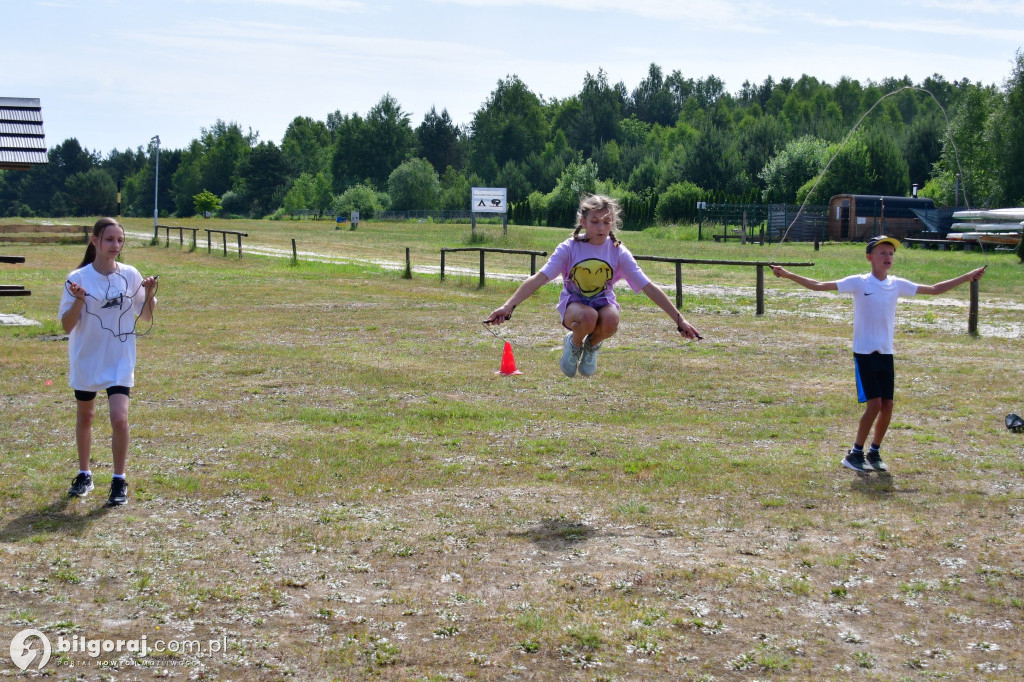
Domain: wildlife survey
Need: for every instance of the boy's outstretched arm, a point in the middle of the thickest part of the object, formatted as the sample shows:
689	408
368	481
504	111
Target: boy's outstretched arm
943	287
812	284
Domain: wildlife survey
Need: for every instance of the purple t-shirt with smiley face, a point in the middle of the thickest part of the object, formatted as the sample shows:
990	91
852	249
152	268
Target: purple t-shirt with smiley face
589	272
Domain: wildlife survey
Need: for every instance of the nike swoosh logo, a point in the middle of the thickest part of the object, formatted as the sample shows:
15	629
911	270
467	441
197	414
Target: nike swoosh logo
866	293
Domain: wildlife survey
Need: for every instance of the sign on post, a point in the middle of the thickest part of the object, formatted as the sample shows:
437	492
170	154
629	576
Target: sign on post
490	200
354	217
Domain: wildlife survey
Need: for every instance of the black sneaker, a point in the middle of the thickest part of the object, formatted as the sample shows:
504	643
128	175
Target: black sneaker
118	492
855	460
874	458
81	486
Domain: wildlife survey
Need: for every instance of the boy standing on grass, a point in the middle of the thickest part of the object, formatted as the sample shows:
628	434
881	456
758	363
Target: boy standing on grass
874	320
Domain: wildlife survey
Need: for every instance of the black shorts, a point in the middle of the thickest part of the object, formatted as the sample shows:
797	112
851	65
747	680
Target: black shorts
876	376
86	396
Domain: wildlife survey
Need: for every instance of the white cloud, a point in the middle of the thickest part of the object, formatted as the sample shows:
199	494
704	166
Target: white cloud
743	16
894	27
340	6
970	7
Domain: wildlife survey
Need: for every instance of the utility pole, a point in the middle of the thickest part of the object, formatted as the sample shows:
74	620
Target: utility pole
156	184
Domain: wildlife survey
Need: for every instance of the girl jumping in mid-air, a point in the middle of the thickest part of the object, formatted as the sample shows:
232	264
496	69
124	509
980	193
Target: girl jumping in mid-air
590	264
102	300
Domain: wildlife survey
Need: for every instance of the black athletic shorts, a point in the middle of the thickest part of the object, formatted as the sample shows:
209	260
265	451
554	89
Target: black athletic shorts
86	396
876	376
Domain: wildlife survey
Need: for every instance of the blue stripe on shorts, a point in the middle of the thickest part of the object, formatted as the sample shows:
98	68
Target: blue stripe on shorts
861	396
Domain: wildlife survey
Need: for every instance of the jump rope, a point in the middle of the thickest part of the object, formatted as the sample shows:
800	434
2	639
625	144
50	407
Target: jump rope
123	302
956	155
821	175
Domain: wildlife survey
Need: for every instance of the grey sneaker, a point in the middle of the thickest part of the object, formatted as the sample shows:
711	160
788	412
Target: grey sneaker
81	486
570	356
874	459
118	492
856	461
588	361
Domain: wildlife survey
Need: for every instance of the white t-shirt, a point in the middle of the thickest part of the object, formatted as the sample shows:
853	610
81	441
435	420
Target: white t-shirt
589	272
101	346
874	309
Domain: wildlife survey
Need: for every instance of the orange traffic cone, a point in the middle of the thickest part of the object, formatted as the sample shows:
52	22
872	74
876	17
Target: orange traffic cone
508	362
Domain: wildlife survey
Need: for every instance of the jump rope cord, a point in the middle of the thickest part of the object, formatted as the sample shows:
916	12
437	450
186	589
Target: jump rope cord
489	327
821	175
122	336
491	330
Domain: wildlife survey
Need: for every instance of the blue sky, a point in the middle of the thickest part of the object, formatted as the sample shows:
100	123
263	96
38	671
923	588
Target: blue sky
114	73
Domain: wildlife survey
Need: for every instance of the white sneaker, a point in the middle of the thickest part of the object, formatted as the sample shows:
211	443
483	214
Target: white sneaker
570	356
588	361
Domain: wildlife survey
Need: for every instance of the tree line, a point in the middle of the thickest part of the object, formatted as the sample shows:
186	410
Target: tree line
660	147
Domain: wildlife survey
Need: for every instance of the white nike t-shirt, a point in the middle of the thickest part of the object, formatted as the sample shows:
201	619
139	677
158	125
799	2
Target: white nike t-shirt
874	309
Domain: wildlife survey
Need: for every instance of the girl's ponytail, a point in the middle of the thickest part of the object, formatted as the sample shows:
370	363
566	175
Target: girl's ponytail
97	231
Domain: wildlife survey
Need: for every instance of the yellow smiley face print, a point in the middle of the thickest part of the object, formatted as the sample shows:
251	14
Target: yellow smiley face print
591	276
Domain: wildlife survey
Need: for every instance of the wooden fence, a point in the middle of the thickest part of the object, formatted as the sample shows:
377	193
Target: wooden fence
224	238
181	234
532	254
760	265
13	289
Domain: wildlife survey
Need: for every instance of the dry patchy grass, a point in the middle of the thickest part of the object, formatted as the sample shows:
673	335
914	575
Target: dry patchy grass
327	474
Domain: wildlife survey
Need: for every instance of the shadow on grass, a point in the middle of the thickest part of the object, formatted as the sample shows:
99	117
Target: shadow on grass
879	486
53	518
556	534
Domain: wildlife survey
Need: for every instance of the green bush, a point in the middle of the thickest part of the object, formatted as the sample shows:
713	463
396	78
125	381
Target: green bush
233	203
678	203
206	201
414	186
20	210
362	198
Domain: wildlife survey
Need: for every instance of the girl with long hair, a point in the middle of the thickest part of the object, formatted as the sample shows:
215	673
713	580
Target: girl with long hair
102	302
590	262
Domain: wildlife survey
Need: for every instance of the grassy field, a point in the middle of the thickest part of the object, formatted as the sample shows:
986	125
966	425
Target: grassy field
327	475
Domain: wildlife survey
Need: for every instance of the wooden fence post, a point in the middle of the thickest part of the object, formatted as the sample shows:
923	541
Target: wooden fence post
760	290
483	262
679	285
972	317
